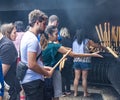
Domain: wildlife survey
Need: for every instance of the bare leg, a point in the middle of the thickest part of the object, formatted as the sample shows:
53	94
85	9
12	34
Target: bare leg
76	81
84	82
1	98
22	94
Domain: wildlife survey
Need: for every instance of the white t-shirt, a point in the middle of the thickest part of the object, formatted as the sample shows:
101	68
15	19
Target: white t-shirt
30	43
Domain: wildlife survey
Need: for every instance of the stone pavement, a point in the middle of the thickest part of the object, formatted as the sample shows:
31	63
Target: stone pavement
97	93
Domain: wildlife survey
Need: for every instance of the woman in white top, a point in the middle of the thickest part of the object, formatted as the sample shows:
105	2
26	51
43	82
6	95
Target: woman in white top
82	64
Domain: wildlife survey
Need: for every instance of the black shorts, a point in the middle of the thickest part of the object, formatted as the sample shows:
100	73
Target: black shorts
34	90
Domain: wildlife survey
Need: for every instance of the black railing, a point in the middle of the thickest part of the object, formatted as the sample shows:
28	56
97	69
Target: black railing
105	71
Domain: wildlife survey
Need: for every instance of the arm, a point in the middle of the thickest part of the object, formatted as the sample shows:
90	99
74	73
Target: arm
63	50
68	48
33	65
96	45
93	44
5	68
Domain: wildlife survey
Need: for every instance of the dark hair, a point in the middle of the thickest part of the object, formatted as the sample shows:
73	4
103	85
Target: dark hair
19	26
44	37
80	35
49	30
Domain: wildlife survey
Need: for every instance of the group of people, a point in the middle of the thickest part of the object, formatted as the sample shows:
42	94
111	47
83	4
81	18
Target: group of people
50	48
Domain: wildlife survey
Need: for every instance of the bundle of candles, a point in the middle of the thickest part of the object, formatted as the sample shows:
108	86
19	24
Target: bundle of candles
109	37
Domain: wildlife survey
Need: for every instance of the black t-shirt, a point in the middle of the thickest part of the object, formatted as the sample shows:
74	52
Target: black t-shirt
8	55
67	42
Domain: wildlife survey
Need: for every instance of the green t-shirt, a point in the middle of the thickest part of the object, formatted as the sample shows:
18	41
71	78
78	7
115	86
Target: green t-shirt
50	54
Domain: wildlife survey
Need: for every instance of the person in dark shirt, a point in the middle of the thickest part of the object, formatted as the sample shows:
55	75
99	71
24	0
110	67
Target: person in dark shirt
67	70
1	82
8	56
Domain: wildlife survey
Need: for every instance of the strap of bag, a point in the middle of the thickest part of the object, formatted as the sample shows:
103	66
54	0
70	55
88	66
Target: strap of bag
39	55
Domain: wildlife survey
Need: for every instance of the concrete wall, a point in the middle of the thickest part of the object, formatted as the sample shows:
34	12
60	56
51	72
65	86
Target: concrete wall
72	13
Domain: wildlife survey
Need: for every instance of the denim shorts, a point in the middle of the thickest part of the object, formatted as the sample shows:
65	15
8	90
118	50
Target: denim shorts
82	65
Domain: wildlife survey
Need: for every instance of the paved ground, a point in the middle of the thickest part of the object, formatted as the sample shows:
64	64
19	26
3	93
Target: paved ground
97	93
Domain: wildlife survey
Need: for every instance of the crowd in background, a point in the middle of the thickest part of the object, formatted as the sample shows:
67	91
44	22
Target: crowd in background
40	46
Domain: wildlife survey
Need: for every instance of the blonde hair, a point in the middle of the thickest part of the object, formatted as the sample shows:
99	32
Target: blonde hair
7	28
64	32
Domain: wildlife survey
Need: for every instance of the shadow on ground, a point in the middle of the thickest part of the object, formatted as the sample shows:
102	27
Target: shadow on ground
93	96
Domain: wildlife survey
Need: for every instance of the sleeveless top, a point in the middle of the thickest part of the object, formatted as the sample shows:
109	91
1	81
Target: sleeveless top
81	48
